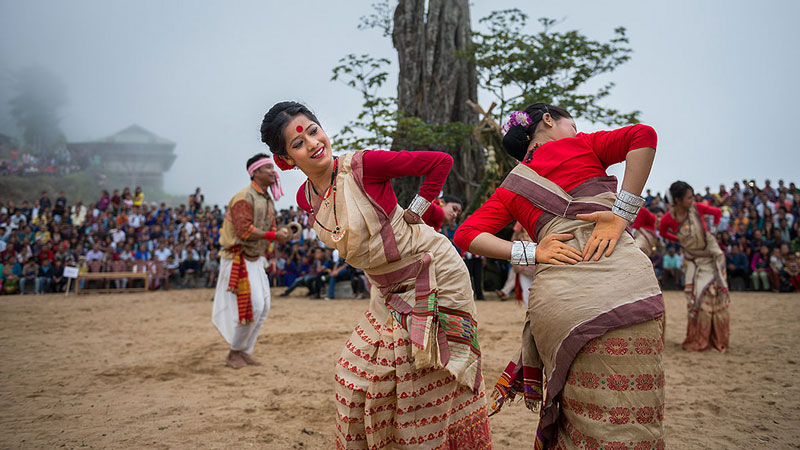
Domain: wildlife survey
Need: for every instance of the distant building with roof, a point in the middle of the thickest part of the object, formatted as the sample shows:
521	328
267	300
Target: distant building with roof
132	157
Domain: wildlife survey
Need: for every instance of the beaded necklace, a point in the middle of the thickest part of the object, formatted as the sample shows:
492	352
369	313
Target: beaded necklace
338	232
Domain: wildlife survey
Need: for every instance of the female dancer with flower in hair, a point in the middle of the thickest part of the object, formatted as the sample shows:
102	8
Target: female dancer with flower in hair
410	374
706	286
594	323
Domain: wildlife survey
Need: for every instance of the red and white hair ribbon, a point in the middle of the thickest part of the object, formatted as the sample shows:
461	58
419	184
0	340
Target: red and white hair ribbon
276	188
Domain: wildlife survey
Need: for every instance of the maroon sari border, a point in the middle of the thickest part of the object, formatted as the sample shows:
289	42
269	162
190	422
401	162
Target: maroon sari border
637	311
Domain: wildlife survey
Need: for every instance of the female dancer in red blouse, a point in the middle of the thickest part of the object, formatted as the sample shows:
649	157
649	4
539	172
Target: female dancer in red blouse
706	286
594	323
410	374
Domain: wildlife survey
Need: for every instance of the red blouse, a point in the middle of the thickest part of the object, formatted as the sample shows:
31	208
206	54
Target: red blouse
645	219
567	162
669	226
381	166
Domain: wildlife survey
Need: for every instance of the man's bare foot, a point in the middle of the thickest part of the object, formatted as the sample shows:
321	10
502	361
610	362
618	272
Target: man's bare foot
235	360
249	360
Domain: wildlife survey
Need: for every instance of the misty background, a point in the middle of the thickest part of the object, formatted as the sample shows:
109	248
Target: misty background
717	79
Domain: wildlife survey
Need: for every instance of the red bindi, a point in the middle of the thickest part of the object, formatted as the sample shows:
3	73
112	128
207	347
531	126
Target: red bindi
299	128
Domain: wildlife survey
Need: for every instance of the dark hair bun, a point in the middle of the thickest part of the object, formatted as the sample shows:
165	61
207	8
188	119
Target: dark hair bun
516	142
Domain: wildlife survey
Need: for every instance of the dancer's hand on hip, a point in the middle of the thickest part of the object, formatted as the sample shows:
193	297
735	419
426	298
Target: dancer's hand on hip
607	230
552	250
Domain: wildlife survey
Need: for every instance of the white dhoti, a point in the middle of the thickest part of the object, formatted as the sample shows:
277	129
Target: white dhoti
225	315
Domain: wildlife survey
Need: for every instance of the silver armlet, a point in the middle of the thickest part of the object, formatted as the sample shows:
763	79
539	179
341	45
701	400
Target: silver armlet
627	205
523	253
419	205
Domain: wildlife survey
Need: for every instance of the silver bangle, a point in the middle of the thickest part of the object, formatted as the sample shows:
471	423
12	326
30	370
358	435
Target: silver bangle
419	205
631	199
629	216
627	205
523	253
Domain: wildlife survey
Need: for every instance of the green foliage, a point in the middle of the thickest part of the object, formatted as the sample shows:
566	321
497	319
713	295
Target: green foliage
379	122
374	125
39	95
424	135
548	66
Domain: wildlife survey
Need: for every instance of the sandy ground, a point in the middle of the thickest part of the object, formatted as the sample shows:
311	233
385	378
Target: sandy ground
131	371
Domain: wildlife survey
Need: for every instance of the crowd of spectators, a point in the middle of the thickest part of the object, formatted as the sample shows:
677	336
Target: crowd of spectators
27	164
758	232
121	231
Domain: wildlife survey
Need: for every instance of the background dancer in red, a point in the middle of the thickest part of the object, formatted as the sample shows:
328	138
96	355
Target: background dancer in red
706	287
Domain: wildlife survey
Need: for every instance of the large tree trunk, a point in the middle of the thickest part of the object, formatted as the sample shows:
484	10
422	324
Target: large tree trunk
434	84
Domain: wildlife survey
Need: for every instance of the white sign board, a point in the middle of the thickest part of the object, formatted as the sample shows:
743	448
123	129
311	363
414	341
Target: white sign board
70	272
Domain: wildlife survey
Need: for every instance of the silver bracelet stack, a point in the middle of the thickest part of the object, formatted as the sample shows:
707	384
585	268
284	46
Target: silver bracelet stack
627	205
419	205
523	253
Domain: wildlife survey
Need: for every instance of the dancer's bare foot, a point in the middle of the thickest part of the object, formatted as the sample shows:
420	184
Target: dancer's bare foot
235	360
249	360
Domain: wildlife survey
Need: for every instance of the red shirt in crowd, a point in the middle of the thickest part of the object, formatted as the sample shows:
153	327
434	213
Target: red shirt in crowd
567	162
381	166
669	226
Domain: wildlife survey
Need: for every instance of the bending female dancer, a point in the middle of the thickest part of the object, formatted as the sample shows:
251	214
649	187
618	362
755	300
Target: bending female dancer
594	323
410	374
706	286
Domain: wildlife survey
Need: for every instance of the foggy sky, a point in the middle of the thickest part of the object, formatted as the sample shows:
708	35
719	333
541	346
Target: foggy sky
717	79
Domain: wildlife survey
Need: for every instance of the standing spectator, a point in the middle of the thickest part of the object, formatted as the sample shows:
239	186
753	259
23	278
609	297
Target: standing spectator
138	196
104	201
116	201
475	265
197	200
60	208
44	201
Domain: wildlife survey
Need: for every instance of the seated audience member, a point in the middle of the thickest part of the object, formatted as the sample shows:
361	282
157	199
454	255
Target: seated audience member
44	277
312	278
738	268
339	272
29	271
792	270
759	267
10	277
